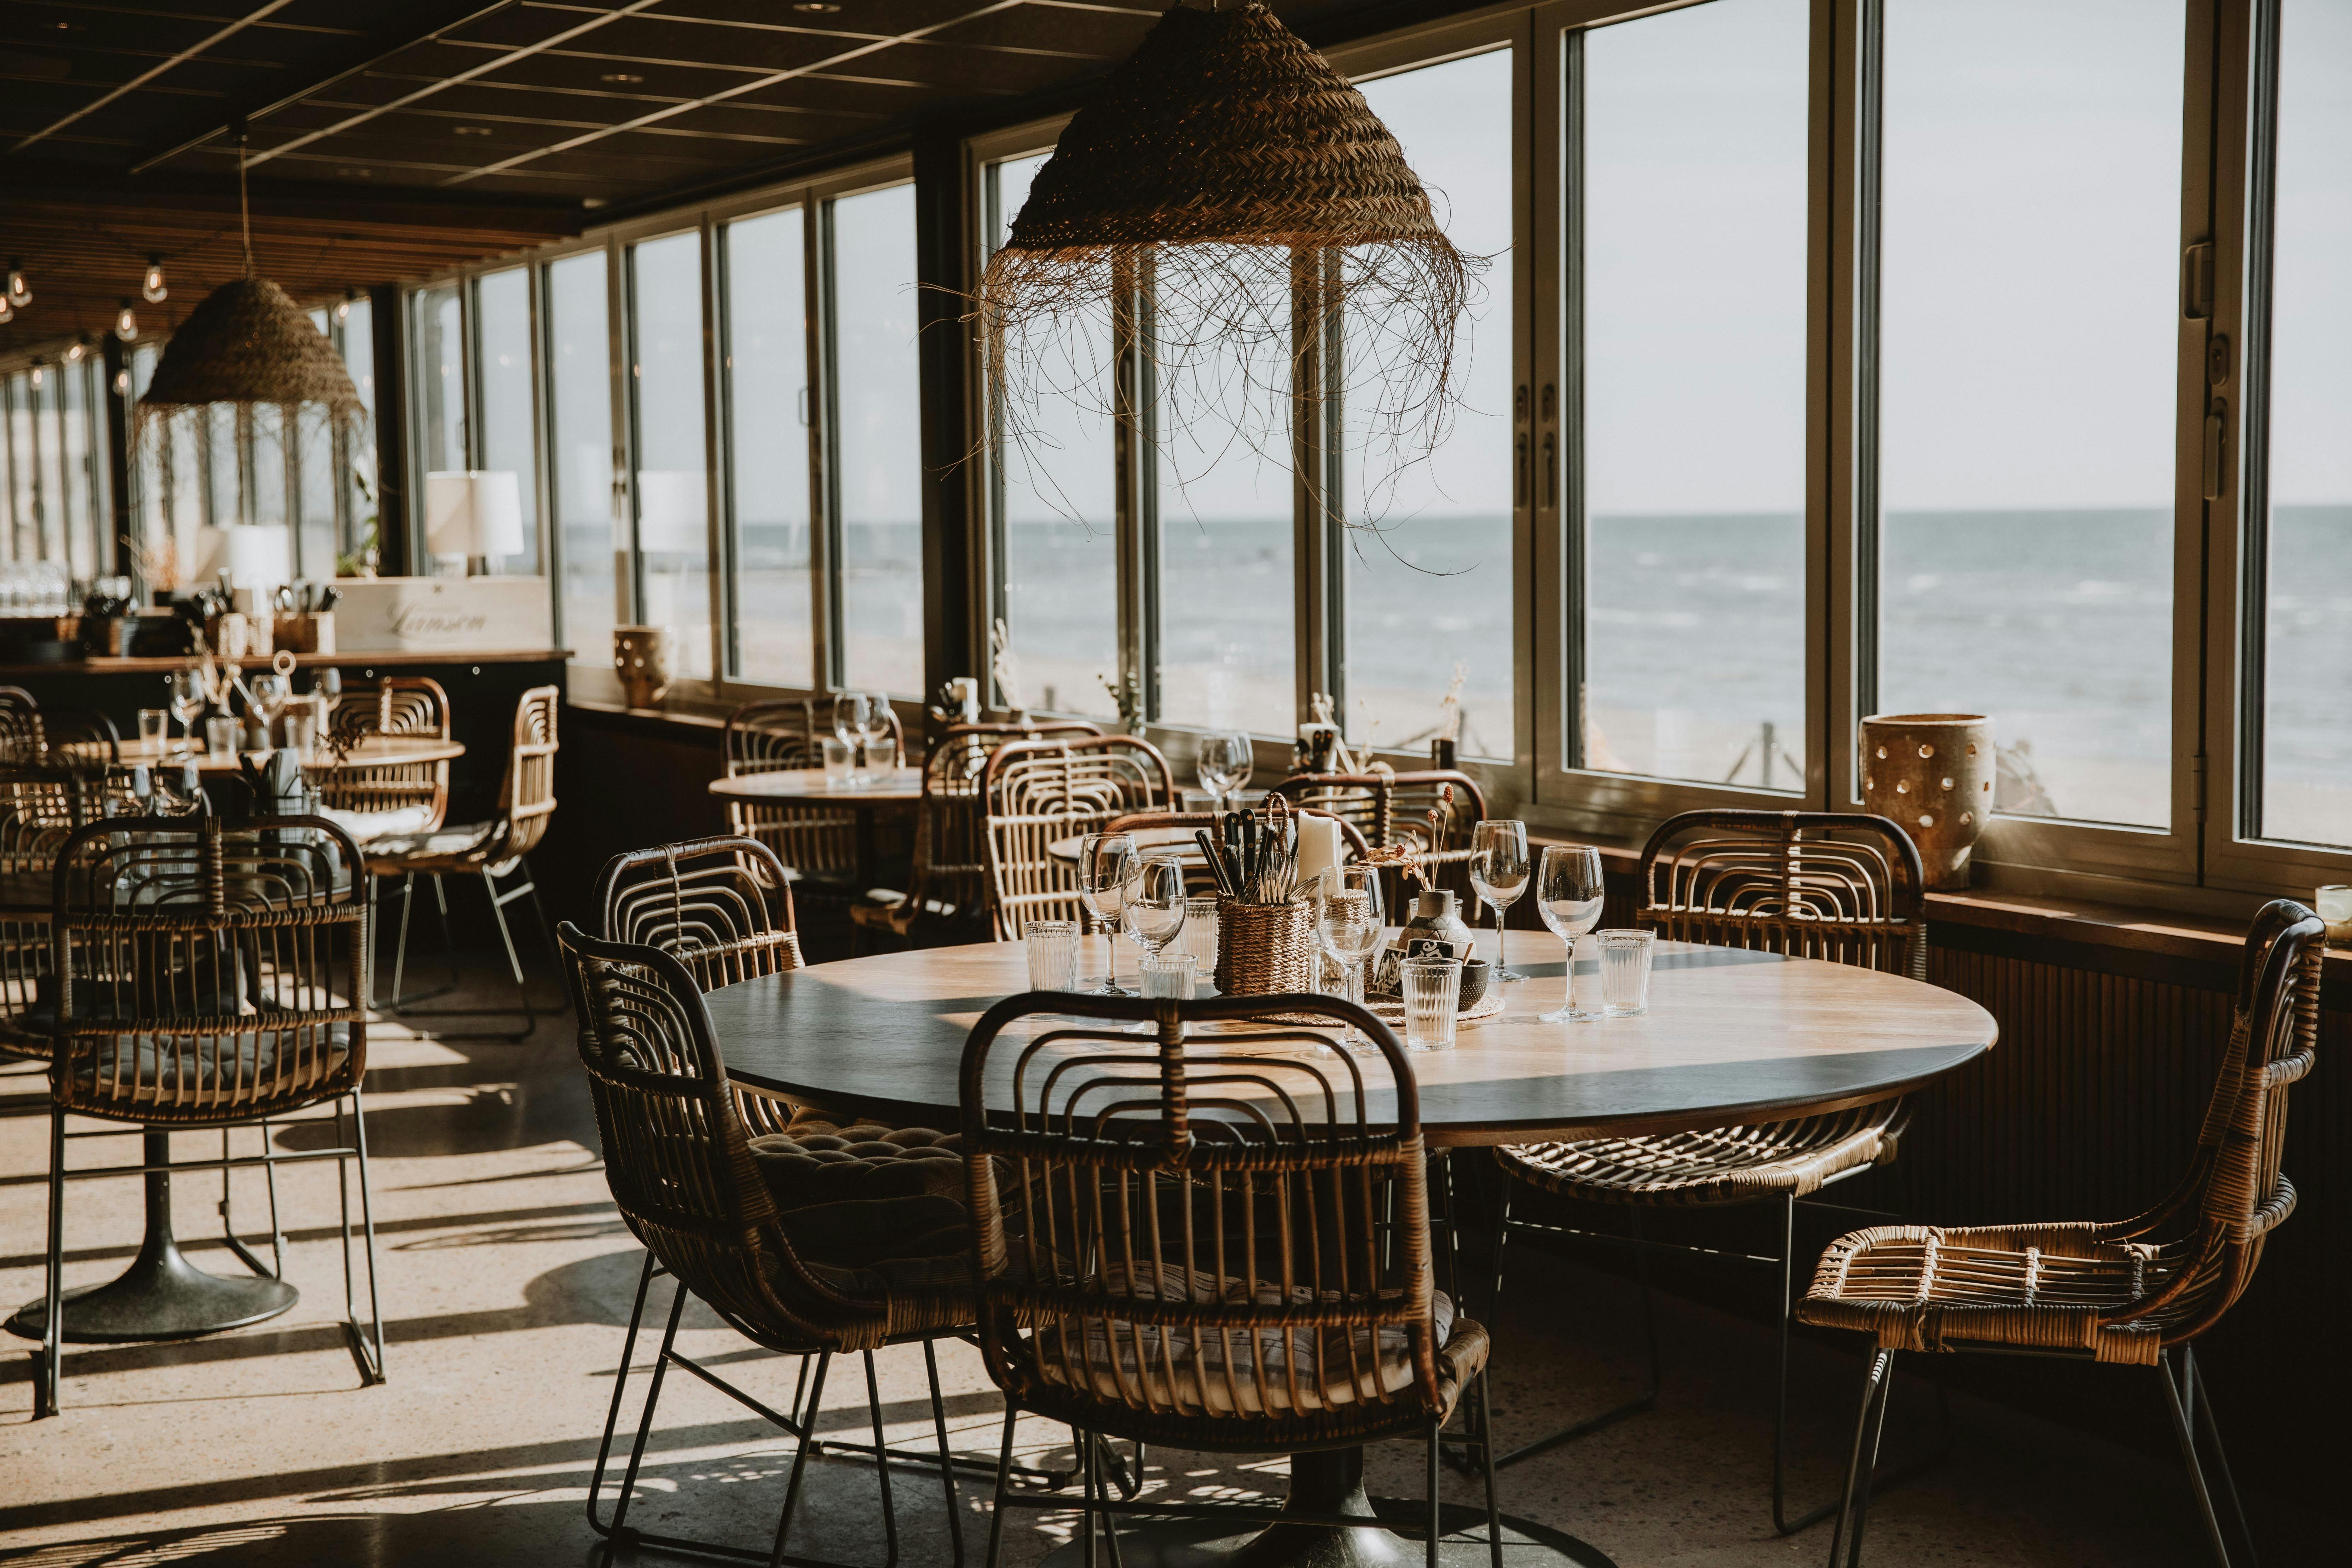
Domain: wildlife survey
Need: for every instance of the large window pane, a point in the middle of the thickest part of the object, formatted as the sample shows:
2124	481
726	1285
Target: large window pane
673	511
80	506
1428	559
580	451
1694	441
878	440
768	446
2307	712
440	378
2028	332
506	401
315	539
51	436
1055	506
360	503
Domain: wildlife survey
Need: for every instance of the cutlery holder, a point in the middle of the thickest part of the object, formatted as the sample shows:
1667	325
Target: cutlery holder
1266	949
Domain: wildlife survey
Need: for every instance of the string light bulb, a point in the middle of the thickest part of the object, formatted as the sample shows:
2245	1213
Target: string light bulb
344	307
37	373
121	384
126	325
73	355
150	287
20	293
7	311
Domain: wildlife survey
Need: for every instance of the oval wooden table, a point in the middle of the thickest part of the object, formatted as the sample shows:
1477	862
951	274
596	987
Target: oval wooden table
1730	1036
375	752
791	786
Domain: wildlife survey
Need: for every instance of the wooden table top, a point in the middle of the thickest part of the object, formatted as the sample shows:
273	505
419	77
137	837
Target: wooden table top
377	750
1730	1036
897	785
1176	841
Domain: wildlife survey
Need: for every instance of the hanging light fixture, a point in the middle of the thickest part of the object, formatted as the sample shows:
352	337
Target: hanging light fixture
343	306
80	347
20	293
126	325
1231	179
150	287
121	384
7	311
248	343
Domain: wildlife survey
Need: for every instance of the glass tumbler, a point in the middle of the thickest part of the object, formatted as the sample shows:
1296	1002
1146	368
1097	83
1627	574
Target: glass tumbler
1169	973
153	724
302	734
1433	989
1052	948
1625	971
221	735
1198	936
838	757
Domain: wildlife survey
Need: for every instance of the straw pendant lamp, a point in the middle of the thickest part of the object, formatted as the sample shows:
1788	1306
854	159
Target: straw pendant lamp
1226	194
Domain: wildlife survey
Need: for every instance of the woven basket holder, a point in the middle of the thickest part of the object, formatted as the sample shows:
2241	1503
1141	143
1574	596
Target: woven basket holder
1264	949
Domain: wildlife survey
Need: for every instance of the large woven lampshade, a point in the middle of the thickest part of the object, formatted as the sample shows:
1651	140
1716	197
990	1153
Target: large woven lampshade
249	344
1230	176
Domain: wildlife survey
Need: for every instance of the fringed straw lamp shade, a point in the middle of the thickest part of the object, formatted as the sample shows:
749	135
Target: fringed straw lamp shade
249	344
1231	177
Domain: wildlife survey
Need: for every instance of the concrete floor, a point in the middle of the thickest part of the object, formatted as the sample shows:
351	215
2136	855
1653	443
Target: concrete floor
506	1285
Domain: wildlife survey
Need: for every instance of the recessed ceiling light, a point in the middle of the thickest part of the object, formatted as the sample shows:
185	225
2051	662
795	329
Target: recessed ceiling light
817	7
471	129
619	77
356	174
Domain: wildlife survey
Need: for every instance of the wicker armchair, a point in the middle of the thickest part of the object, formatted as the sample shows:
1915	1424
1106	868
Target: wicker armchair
206	974
39	809
1847	888
20	727
798	1279
2131	1292
712	904
489	849
1206	1256
818	841
1393	808
375	799
948	892
1144	821
1036	792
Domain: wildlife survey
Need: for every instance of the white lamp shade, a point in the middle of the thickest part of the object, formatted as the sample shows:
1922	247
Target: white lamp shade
477	511
673	514
255	555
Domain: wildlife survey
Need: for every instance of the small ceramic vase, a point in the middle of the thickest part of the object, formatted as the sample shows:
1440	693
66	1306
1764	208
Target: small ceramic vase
640	658
1933	774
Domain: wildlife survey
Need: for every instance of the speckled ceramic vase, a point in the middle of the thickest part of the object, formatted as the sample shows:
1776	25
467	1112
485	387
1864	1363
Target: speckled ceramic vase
1932	773
640	658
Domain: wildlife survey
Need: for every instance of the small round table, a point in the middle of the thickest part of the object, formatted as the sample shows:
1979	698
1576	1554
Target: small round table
1731	1037
375	752
810	787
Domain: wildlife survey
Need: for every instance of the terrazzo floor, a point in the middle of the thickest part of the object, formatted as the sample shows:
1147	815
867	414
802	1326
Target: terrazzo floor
508	1282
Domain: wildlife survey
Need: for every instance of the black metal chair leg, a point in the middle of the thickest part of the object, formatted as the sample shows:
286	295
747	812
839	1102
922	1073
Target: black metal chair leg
2177	1407
1432	1546
514	957
374	1372
400	947
2220	1456
620	1382
1861	1512
1648	1400
449	931
947	1456
799	1454
645	1429
1486	1465
1874	1370
1003	1481
49	1395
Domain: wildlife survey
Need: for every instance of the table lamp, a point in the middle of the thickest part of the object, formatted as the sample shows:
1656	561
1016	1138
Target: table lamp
474	513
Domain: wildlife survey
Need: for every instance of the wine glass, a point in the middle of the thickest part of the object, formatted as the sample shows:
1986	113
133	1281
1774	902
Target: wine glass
1568	892
1151	909
1348	925
1499	871
186	701
327	686
875	727
270	693
1105	863
853	711
1226	762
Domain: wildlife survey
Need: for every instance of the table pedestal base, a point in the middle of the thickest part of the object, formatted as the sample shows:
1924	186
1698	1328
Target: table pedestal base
1333	1482
162	1296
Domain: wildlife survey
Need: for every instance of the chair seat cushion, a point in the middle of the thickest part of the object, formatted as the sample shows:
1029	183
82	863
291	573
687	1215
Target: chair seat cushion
818	1163
2040	1287
1713	1165
441	844
153	1067
882	1248
1262	1371
367	827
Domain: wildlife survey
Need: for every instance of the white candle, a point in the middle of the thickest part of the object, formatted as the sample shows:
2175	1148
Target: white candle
1318	847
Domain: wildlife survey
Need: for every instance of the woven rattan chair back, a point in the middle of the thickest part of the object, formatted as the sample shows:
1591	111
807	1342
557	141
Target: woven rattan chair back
81	739
711	903
526	798
1838	885
1200	1256
207	971
950	869
20	727
1394	809
677	1157
39	809
1036	792
816	840
406	705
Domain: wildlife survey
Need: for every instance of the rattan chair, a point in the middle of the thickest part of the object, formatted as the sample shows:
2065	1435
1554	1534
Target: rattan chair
1843	887
684	1173
1392	809
39	809
208	975
80	738
2127	1293
1219	1252
1036	792
818	840
20	727
374	799
947	899
490	850
722	908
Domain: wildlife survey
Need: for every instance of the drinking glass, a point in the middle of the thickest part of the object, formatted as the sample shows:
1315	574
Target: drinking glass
186	698
303	735
838	759
1226	762
1348	923
220	736
1568	891
1433	995
1052	949
1168	974
1200	936
1499	871
1152	906
852	712
270	693
874	728
327	686
1626	958
1105	862
154	725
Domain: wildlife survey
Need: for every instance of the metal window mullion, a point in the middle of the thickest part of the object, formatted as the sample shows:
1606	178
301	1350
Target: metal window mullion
634	389
717	488
1146	635
1555	421
1313	504
543	442
824	454
1131	455
998	596
2252	385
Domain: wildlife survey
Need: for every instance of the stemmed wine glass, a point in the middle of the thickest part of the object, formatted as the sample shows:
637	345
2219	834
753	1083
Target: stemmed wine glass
1568	893
1499	871
1226	762
187	701
874	728
1348	924
270	693
1151	909
1105	863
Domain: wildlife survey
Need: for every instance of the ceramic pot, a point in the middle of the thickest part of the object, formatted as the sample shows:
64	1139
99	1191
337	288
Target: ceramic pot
640	658
1932	773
